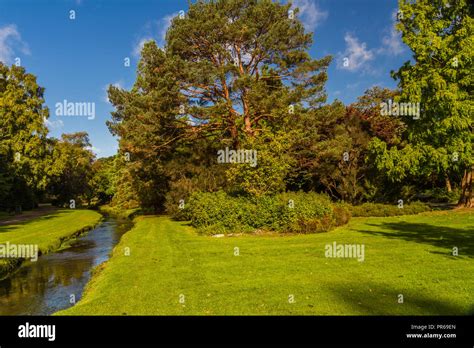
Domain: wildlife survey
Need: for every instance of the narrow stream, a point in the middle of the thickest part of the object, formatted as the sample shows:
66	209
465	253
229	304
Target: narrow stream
45	286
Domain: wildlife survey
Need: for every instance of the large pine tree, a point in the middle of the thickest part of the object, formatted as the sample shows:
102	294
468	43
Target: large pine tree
232	73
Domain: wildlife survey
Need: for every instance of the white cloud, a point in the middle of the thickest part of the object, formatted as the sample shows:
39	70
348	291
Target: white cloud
118	84
392	43
310	14
58	124
156	31
10	43
139	45
353	86
163	25
356	56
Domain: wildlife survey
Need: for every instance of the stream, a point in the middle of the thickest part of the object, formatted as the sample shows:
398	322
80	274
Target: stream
45	286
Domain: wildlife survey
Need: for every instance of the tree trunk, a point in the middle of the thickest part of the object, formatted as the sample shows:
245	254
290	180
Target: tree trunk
466	199
448	184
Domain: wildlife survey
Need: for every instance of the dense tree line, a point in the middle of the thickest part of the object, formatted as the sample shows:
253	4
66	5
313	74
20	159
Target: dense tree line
35	168
236	75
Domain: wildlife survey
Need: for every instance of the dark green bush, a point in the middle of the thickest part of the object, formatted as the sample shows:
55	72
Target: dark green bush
439	195
378	209
214	213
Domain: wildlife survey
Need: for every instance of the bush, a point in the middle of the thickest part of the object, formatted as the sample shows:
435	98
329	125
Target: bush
219	212
380	210
439	195
300	212
342	213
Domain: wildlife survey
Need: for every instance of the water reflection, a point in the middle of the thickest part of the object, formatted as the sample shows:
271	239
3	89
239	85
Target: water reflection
45	286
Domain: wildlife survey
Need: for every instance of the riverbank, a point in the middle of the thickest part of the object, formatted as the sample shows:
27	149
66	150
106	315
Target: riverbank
162	267
48	232
119	213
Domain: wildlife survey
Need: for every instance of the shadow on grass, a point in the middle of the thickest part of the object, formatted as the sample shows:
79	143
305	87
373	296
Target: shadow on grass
381	299
439	236
15	225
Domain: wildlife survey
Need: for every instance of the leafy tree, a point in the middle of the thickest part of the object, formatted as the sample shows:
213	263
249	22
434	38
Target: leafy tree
440	34
103	180
330	152
22	138
273	163
71	170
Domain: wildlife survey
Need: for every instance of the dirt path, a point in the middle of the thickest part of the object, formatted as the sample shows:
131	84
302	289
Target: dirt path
28	215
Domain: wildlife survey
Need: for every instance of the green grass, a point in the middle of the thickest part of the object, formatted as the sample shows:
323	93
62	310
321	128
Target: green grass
49	232
409	255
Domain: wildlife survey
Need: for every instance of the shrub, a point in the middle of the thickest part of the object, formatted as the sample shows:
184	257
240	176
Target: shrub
439	195
294	212
377	209
219	211
341	213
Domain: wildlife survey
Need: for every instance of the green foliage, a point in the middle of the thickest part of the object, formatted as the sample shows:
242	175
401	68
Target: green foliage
71	169
23	133
103	180
377	209
273	164
331	147
224	79
439	143
297	212
439	195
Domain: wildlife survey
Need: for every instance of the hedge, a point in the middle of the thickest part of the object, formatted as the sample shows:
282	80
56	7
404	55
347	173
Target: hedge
380	210
297	212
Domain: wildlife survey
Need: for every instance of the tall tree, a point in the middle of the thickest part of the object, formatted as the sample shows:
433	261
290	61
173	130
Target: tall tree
440	34
230	71
22	138
242	64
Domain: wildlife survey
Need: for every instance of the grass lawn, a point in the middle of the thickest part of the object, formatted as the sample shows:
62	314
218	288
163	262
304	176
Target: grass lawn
408	255
48	231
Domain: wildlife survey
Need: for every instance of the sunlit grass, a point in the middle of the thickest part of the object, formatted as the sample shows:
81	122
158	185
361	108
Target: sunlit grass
406	255
48	231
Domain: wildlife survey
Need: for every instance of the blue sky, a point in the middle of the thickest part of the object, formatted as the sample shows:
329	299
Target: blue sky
76	59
